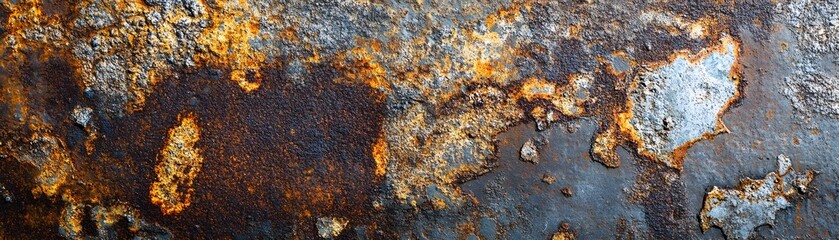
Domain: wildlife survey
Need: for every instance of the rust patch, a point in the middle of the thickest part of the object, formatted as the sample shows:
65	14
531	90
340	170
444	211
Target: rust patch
739	211
179	163
229	42
285	154
564	233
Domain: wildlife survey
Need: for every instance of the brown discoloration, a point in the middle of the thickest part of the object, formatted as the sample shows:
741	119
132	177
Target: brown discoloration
56	7
660	190
567	192
321	160
548	178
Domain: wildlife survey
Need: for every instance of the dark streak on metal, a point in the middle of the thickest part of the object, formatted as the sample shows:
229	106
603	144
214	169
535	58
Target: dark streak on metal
665	205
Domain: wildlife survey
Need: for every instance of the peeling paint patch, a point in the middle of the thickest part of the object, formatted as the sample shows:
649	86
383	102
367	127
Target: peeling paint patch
753	202
678	103
180	161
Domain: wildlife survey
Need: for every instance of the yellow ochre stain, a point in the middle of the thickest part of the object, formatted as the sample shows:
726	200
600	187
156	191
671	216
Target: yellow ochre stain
178	164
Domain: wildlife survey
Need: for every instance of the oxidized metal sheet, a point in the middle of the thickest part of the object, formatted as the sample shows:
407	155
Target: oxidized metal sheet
368	119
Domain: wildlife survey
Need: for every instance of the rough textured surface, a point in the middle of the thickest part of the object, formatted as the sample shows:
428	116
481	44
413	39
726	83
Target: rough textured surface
680	102
330	227
265	119
530	152
178	164
813	87
754	202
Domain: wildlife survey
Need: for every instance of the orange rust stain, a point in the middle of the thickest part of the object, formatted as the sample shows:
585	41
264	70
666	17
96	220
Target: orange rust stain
380	156
680	153
229	43
798	219
567	100
603	148
770	114
483	69
535	88
90	143
574	31
178	164
364	68
692	58
564	233
290	34
23	16
466	228
56	170
504	14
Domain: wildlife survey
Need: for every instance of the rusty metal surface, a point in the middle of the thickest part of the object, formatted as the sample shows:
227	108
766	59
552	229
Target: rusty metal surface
270	119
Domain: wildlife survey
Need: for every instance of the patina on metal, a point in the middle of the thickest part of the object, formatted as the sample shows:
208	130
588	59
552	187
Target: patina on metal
369	119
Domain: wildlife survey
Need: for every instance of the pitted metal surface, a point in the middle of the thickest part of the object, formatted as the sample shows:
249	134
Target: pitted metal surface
369	119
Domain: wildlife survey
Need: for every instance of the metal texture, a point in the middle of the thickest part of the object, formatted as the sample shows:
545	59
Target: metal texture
369	119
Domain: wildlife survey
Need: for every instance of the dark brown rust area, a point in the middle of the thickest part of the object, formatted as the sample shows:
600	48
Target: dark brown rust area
665	203
60	8
284	154
51	93
26	216
4	20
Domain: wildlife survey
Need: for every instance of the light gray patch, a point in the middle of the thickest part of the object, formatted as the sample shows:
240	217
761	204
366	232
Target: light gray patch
812	87
529	153
94	15
81	115
817	23
814	91
738	212
679	102
620	64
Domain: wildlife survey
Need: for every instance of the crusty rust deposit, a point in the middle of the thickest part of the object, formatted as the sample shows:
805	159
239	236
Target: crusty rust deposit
178	164
454	119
